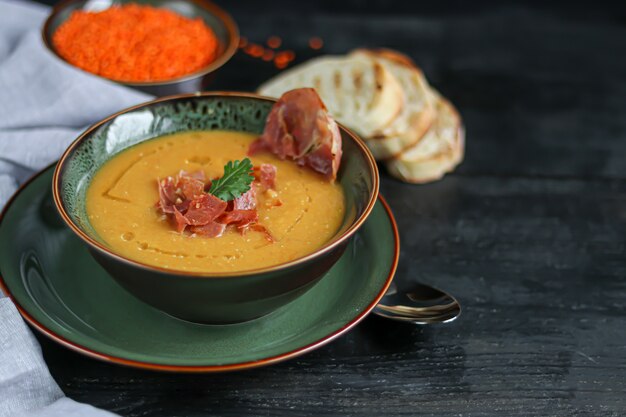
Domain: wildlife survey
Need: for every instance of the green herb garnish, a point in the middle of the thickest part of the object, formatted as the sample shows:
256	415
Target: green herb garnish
235	181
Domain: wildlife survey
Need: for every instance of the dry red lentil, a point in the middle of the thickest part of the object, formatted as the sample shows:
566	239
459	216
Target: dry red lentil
268	55
254	50
316	43
274	42
136	43
282	59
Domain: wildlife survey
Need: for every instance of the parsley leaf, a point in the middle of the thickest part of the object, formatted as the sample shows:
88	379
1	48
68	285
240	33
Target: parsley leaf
235	181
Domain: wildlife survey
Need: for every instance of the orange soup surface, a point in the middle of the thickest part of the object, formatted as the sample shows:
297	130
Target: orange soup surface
122	195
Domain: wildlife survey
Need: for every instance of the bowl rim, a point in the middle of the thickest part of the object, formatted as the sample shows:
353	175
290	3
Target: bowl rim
325	249
223	58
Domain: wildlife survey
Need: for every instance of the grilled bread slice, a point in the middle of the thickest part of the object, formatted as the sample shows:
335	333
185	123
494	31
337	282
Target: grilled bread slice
358	91
416	116
437	153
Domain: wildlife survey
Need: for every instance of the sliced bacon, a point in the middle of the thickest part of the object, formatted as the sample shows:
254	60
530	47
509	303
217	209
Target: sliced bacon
167	195
239	218
196	175
266	175
190	208
174	192
184	206
322	160
247	201
212	229
190	188
325	156
257	146
204	209
180	220
200	212
299	127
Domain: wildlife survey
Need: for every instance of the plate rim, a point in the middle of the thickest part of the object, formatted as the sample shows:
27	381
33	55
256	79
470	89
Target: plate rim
77	347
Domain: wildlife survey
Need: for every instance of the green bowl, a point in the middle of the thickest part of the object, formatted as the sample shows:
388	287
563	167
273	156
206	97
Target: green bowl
197	297
217	19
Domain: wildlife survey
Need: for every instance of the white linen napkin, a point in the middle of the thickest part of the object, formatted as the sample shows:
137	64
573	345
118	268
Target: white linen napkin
44	105
26	387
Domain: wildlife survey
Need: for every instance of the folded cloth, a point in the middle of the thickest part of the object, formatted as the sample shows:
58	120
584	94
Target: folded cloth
44	105
67	408
25	383
26	387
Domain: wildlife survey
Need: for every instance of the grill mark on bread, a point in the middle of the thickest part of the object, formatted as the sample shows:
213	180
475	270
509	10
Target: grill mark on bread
417	114
357	76
378	75
337	80
357	91
317	83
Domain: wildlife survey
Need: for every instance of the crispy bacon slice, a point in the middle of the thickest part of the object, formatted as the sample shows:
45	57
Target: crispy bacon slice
266	175
190	207
167	195
299	127
212	229
201	211
204	209
180	221
197	175
190	188
247	201
175	192
239	218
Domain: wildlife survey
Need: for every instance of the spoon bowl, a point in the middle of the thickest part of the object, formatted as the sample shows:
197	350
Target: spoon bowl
422	304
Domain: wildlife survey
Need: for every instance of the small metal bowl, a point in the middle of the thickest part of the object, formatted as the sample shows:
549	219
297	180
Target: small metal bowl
218	20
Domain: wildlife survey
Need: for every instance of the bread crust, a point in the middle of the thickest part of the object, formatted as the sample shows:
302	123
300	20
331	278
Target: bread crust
339	80
417	133
422	169
418	113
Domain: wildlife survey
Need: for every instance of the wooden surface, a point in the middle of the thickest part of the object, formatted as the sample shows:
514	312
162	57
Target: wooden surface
529	233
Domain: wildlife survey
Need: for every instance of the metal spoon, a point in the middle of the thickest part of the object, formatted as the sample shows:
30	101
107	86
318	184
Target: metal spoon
423	304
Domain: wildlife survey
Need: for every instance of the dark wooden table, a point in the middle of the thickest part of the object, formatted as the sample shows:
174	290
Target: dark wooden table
529	232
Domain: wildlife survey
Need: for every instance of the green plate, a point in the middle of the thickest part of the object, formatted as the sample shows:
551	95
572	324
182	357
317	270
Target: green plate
61	291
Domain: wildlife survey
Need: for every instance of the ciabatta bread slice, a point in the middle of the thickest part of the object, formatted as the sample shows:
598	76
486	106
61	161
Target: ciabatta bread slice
359	92
416	116
438	153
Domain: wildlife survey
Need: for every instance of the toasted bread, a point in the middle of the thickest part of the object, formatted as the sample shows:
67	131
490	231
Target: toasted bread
359	92
418	112
438	153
